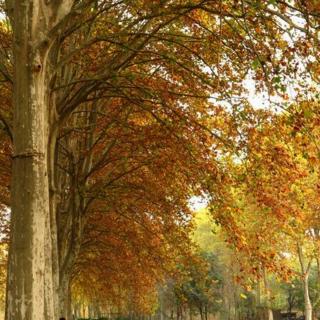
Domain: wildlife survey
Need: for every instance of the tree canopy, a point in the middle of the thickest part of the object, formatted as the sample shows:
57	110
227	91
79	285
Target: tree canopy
115	113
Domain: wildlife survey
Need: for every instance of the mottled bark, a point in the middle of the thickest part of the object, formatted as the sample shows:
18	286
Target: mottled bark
32	293
30	287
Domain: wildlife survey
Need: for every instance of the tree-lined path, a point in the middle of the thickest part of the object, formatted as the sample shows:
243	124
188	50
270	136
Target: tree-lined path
115	114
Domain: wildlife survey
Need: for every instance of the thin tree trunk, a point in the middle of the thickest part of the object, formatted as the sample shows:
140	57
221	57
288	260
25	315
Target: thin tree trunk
305	270
65	297
160	290
268	295
69	247
190	313
258	293
201	312
53	200
307	301
77	310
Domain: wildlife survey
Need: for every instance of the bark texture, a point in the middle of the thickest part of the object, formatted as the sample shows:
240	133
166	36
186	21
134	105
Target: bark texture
65	298
32	293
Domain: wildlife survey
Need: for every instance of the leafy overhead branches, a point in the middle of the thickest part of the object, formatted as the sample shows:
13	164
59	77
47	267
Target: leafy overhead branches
136	121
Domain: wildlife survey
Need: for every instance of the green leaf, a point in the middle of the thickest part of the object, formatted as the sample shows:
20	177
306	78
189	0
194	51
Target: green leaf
276	79
307	114
256	64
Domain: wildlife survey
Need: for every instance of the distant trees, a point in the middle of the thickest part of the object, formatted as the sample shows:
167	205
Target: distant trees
196	291
271	207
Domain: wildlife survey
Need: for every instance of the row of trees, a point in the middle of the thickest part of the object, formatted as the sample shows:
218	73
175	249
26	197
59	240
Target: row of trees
111	119
272	203
233	282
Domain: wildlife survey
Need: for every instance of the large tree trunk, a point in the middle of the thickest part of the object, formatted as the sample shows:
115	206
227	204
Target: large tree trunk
30	285
31	292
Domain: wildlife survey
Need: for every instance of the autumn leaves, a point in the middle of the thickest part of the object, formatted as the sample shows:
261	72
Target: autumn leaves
142	106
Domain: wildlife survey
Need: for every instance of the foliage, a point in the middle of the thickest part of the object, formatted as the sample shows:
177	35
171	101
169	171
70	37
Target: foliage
148	108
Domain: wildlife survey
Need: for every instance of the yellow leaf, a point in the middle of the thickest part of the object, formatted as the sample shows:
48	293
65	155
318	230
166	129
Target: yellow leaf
243	296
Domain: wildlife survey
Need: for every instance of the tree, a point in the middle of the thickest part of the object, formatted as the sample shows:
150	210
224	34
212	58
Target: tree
272	203
69	68
31	281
